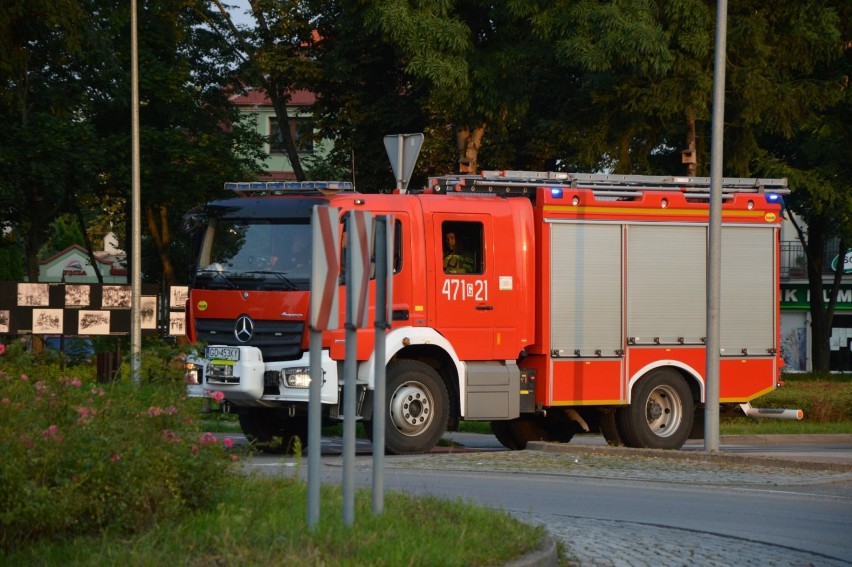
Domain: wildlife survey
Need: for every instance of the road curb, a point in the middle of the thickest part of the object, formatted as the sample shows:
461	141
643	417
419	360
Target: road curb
545	556
787	439
681	455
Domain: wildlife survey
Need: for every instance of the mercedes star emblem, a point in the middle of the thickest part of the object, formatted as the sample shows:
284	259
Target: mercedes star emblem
244	329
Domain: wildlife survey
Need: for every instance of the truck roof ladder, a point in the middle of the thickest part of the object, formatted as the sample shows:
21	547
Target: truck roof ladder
524	183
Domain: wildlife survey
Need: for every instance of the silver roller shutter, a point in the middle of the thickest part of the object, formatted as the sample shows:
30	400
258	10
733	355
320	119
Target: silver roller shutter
585	293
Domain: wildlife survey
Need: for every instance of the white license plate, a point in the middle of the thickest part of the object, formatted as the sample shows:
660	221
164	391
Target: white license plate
222	353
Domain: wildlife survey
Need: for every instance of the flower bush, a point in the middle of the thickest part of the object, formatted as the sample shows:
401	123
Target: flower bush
83	458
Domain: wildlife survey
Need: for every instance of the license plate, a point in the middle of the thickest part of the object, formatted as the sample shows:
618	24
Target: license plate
222	353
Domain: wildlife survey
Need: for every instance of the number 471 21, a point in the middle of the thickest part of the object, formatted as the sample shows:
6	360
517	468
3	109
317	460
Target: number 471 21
457	289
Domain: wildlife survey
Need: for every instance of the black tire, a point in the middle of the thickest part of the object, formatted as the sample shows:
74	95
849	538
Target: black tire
417	408
272	432
516	433
661	413
609	428
558	427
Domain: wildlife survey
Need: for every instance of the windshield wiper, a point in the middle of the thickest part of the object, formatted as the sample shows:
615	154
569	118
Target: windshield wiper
218	274
280	275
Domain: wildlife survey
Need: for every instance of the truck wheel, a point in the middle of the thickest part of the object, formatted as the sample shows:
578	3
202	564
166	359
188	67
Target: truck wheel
609	428
661	414
516	433
272	433
417	407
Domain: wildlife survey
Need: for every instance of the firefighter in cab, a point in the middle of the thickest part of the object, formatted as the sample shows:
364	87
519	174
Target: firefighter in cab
455	260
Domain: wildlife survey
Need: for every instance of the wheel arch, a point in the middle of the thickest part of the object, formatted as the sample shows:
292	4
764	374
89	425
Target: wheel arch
428	346
692	377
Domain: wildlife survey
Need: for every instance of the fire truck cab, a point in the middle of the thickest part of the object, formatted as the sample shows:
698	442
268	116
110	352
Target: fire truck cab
546	304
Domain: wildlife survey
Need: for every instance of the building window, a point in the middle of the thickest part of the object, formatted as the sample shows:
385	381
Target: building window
302	130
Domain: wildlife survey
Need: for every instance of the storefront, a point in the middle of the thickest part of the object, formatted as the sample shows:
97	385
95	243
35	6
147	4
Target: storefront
796	328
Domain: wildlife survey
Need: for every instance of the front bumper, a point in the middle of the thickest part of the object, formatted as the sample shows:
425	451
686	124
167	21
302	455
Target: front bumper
250	381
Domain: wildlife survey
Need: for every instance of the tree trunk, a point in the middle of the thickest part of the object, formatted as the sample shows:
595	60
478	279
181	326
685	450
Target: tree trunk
279	103
162	240
468	142
690	156
86	240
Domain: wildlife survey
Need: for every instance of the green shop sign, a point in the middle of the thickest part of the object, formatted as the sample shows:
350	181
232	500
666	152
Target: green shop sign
797	296
845	263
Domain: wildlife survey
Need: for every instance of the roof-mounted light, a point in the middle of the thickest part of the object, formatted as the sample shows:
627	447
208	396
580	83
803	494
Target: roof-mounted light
324	187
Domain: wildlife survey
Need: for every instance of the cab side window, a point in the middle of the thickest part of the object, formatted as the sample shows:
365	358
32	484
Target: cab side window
396	259
462	247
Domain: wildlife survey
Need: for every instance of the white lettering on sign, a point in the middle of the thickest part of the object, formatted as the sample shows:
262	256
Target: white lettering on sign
457	289
790	296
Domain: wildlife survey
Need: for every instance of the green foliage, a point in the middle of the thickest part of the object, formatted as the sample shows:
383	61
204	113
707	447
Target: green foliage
80	458
11	262
65	232
822	397
261	521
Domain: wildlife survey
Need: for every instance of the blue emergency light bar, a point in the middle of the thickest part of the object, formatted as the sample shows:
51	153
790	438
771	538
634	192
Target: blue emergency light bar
287	186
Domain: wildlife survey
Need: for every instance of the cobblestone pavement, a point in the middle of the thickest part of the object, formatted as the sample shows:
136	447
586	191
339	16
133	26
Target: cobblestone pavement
601	543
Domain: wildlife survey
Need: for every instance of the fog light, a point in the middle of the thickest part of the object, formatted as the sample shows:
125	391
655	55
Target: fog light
220	370
192	373
297	377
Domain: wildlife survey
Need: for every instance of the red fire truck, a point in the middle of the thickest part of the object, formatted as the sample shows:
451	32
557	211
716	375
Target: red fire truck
547	304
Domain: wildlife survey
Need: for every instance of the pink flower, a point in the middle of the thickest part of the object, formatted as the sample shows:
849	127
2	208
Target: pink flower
85	415
24	377
217	396
227	442
155	411
6	400
171	436
207	439
2	349
52	432
234	458
115	458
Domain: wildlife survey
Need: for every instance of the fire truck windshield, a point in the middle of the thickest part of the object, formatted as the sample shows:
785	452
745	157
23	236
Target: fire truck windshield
255	254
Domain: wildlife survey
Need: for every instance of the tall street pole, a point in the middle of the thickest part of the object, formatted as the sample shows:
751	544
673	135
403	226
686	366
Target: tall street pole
714	241
136	248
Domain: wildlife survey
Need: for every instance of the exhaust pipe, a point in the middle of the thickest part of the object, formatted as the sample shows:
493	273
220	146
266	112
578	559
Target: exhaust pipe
774	413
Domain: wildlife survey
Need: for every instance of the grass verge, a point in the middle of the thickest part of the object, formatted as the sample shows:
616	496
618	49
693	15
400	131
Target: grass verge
258	521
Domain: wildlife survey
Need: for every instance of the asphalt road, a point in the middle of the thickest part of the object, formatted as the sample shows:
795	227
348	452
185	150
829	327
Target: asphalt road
758	501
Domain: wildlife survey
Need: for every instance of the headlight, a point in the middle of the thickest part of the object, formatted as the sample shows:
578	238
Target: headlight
297	377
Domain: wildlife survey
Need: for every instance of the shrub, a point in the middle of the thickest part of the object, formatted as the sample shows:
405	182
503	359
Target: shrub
81	458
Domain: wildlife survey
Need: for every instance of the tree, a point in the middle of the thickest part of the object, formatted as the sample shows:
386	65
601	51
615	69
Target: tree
191	137
275	57
805	134
473	55
48	149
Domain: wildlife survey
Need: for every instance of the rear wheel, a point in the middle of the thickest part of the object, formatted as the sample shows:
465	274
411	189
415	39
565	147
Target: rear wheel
417	408
609	428
661	413
274	432
516	433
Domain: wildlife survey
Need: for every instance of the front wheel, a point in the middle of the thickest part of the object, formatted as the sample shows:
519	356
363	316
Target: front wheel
661	413
417	408
274	432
